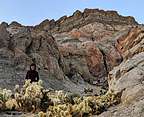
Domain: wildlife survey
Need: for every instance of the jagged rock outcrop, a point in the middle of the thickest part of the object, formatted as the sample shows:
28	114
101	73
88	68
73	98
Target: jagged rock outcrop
128	77
79	19
89	45
20	46
81	47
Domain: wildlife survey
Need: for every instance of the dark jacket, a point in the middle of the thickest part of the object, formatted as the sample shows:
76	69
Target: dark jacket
32	75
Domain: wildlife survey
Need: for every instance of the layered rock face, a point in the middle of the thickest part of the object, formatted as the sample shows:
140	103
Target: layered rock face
20	46
86	41
90	47
88	16
128	77
82	47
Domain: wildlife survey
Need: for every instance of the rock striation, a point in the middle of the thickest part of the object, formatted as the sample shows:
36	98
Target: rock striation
128	77
82	47
89	48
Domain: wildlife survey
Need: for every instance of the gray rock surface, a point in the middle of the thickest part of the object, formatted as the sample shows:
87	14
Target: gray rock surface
128	78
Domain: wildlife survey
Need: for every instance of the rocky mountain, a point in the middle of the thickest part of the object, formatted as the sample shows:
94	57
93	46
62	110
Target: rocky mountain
80	44
84	50
128	77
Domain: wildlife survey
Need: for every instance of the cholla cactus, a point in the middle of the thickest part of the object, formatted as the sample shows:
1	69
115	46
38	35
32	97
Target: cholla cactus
27	83
17	88
40	82
41	114
34	98
83	107
5	94
63	110
32	95
77	100
11	104
34	90
60	94
58	97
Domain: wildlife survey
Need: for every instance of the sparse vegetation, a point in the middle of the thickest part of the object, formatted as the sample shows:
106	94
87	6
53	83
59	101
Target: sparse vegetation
32	97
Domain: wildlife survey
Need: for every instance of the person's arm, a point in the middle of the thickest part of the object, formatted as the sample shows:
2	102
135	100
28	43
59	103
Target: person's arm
37	76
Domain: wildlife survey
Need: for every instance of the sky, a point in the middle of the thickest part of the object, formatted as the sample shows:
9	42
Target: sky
32	12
